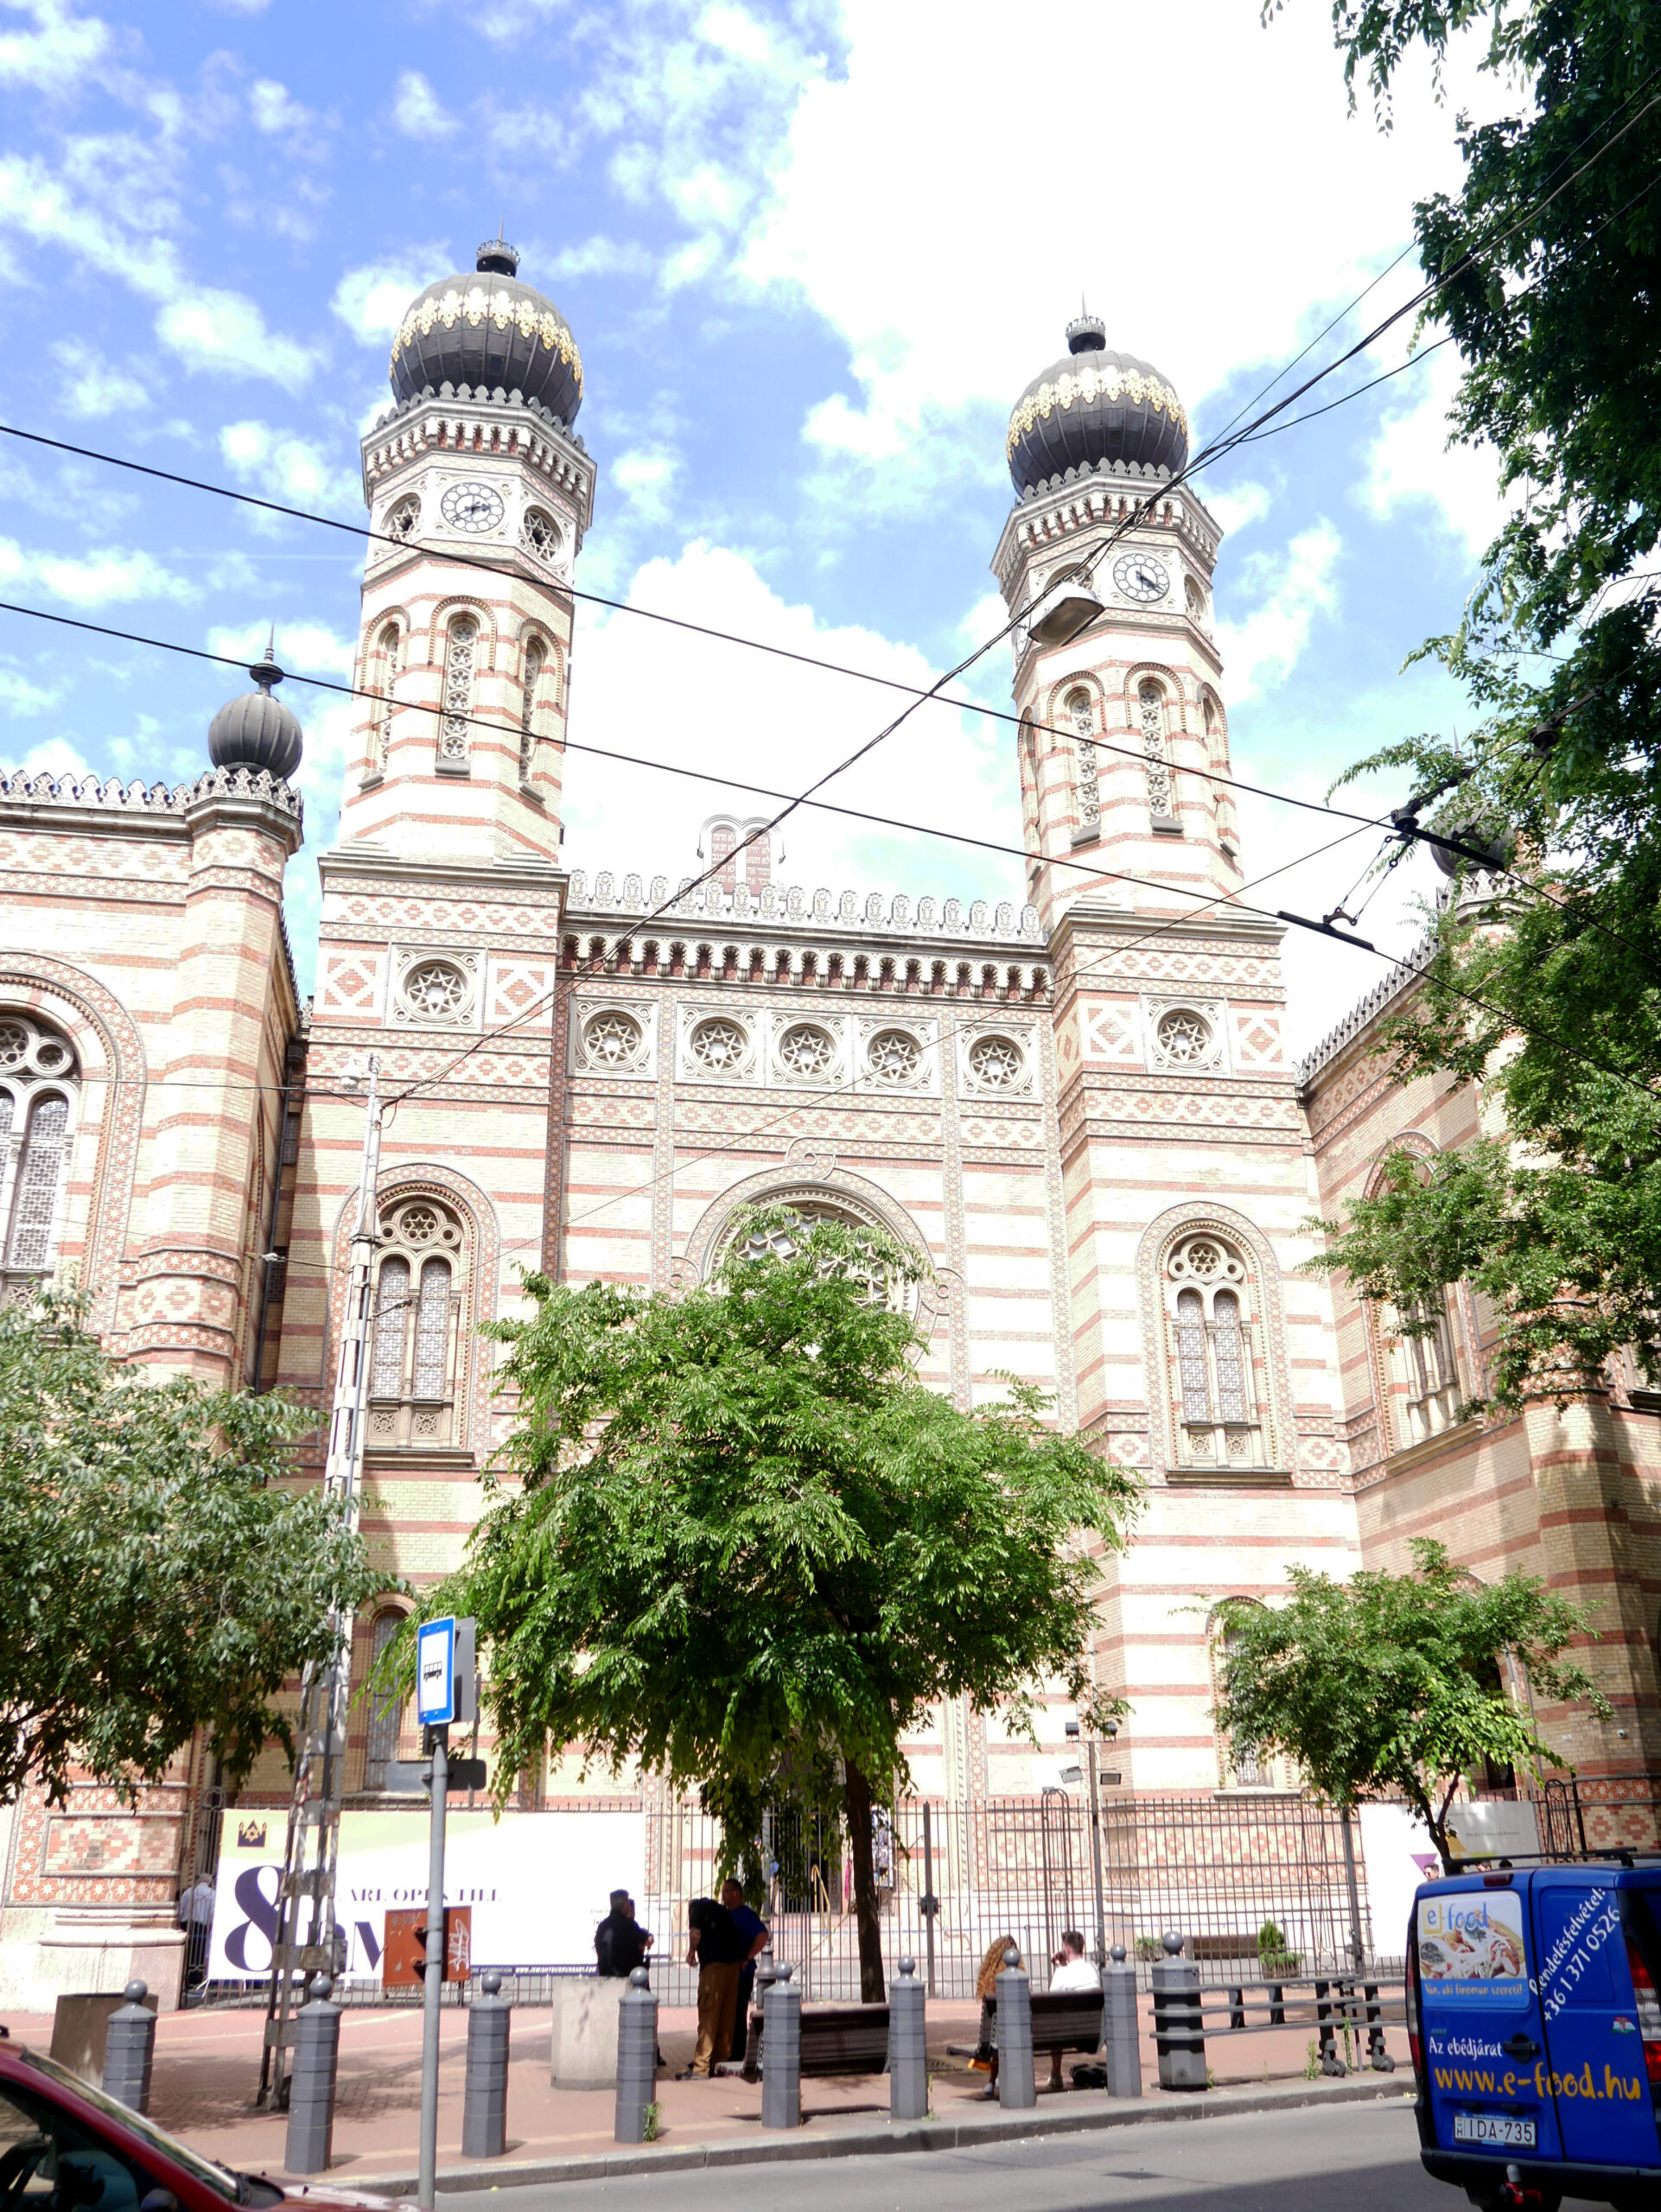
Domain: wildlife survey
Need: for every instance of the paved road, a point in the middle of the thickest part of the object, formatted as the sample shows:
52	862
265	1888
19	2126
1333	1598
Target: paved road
1352	2159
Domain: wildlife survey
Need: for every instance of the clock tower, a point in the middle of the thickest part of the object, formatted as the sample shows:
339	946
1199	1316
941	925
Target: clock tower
480	492
1109	568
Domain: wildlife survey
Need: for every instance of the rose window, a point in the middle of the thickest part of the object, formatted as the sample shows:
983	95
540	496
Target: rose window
895	1056
718	1045
996	1061
805	1049
401	523
613	1040
14	1044
1183	1035
539	533
419	1225
435	989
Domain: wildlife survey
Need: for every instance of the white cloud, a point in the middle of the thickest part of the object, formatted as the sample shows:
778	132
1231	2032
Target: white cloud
225	332
304	648
293	470
1412	464
54	756
959	303
645	477
1261	652
275	112
96	386
782	725
58	52
418	111
600	257
19	696
1238	507
369	300
103	576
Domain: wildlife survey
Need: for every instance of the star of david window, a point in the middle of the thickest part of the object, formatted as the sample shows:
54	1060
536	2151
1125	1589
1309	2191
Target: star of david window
401	523
997	1064
718	1046
807	1050
895	1056
613	1042
539	534
437	990
1184	1036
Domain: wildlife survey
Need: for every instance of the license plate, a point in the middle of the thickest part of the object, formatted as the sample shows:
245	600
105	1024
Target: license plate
1496	2127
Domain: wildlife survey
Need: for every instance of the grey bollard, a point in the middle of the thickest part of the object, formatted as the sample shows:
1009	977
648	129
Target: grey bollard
311	2084
907	2045
131	2050
1121	2038
484	2100
1017	2091
637	2058
782	2069
1178	2027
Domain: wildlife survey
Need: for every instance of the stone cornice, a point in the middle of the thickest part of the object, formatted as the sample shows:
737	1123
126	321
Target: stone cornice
465	425
65	801
902	925
379	866
1084	505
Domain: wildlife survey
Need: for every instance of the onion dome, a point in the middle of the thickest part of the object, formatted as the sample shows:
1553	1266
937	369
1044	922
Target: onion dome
491	333
257	731
1095	408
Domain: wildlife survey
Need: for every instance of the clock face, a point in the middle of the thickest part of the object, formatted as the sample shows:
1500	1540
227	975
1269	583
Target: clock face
472	507
1139	576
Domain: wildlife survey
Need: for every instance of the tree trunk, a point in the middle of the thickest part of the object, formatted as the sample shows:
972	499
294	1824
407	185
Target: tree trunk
857	1799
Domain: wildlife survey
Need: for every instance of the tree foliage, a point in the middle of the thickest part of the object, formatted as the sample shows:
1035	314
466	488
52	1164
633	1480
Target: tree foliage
1546	991
1392	1684
155	1578
747	1542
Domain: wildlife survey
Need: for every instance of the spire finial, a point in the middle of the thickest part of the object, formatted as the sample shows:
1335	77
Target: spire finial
266	672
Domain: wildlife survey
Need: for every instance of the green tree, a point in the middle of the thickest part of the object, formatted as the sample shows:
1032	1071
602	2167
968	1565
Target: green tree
1546	990
155	1577
746	1541
1390	1684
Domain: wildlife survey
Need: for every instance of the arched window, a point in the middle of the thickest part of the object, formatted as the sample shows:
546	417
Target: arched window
1228	828
40	1089
382	675
1194	593
417	1325
393	1732
1150	709
535	653
1422	1372
1027	762
1218	1374
1240	1766
456	728
1087	783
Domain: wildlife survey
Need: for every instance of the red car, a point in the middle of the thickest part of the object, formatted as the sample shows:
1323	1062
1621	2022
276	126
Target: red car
67	2147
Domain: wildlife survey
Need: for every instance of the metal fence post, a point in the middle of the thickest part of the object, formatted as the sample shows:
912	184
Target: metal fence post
1017	2091
484	2099
1120	2040
907	2045
1378	2056
637	2058
1330	2061
781	2054
1179	2024
131	2050
311	2083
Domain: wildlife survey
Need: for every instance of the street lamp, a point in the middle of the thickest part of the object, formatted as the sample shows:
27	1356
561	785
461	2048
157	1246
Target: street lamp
1112	1730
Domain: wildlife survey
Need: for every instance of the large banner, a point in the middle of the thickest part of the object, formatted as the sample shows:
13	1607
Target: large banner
537	1883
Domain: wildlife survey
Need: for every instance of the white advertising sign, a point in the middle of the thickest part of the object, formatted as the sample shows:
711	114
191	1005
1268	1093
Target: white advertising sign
538	1884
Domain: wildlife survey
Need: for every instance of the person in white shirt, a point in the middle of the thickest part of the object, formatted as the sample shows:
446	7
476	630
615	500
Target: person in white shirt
1070	1969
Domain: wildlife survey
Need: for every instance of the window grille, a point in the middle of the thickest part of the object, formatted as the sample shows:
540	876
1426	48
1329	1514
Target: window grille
1218	1404
1090	790
1191	1356
383	671
413	1384
1150	702
386	1712
534	656
460	648
39	1088
432	1329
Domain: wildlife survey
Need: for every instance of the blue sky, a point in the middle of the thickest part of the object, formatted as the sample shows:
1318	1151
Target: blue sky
811	253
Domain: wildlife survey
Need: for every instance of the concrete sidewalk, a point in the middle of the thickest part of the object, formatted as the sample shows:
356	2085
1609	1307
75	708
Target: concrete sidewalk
207	2069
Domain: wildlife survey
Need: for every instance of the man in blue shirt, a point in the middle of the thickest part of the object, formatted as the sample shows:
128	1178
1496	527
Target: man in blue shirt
755	1936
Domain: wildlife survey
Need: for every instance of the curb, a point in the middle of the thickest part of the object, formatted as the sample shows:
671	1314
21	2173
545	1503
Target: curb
869	2141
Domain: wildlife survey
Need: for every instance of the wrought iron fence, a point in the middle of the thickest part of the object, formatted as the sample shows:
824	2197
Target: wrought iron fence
1261	1883
1577	1813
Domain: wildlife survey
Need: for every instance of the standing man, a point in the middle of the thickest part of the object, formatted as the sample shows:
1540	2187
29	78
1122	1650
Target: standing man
755	1936
620	1942
195	1917
715	1947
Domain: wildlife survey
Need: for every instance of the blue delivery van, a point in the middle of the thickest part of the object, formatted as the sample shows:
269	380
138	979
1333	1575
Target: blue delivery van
1536	2029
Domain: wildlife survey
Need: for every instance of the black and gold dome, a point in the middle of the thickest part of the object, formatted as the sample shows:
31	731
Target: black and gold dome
489	332
1094	407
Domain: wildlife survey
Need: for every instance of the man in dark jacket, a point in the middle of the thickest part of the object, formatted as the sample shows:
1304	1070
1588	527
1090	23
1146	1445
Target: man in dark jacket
715	1947
620	1942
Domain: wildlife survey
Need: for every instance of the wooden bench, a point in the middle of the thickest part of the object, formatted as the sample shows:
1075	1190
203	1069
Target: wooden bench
1064	2020
836	2039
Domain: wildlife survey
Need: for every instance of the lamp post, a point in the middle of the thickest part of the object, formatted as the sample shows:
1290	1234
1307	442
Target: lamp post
1112	1730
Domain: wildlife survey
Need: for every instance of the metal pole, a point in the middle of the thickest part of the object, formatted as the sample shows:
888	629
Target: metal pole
313	1812
1357	1949
1096	1858
433	1976
930	1903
